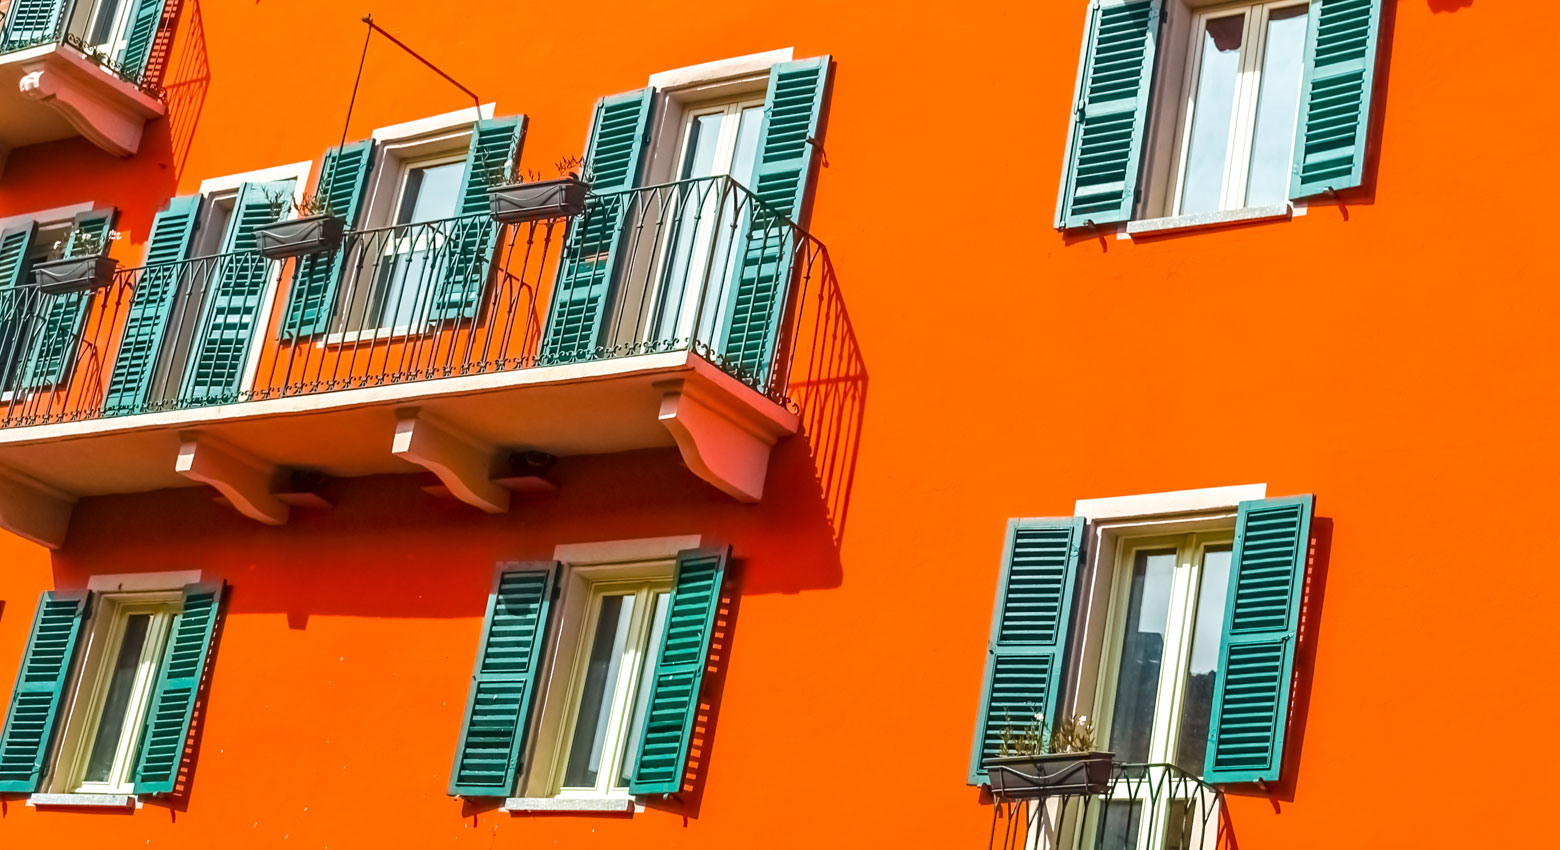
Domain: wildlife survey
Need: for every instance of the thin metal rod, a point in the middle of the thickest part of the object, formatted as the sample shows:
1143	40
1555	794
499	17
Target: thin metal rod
369	19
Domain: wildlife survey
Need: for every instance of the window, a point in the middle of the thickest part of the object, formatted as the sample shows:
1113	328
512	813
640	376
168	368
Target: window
108	709
105	24
1241	99
414	257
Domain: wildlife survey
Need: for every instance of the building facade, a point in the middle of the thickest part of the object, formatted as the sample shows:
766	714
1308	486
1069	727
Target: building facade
736	426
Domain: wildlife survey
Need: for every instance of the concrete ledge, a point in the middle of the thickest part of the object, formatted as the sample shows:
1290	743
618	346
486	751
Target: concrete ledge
584	805
83	801
1173	224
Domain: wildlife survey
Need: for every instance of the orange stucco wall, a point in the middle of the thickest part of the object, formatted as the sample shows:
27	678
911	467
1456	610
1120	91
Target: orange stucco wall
1395	355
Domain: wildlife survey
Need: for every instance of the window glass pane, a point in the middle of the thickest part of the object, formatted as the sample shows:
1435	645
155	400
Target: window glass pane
646	685
1142	653
1212	112
431	192
703	138
606	658
1119	821
103	23
1204	665
746	153
111	723
1278	104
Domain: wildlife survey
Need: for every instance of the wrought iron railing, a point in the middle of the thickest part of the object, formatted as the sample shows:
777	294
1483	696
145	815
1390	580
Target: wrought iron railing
698	265
1145	807
104	38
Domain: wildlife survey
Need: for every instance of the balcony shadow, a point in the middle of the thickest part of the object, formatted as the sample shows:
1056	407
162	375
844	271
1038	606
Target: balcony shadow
184	783
1439	6
182	65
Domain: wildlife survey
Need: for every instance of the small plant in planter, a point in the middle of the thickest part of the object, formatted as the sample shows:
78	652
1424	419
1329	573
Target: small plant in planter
314	231
1032	764
77	263
515	196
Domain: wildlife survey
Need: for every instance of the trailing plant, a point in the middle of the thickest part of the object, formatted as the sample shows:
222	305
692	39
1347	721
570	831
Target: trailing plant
81	242
1033	737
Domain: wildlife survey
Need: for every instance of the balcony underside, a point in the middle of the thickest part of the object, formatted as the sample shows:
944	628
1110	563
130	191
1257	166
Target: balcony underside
52	92
462	428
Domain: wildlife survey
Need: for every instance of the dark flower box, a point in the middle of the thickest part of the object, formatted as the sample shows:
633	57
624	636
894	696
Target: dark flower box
523	202
299	237
75	274
1049	775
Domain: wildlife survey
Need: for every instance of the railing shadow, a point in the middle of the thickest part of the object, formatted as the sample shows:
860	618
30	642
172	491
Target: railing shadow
184	89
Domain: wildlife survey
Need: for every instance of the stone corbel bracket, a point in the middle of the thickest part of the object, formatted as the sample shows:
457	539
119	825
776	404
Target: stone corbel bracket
246	481
106	110
464	463
34	510
725	433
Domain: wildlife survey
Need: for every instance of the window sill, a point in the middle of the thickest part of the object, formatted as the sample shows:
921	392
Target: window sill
370	335
84	801
1182	223
568	805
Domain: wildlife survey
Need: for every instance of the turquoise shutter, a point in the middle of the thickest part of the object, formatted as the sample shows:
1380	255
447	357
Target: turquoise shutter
65	315
679	672
787	148
503	683
1026	658
144	23
1110	113
614	158
150	305
1257	650
1335	91
40	688
178	685
30	22
495	147
343	177
15	244
227	325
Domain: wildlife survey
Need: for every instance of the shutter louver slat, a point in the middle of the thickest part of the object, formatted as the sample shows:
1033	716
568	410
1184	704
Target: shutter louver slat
31	22
167	729
1104	149
503	684
1257	650
30	723
662	760
147	320
495	147
1029	632
1335	96
343	179
613	157
144	23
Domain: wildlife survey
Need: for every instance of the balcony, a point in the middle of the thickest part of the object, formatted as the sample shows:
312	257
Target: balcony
80	69
1145	807
670	315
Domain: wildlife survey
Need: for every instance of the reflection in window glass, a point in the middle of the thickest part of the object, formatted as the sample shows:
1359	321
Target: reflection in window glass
1278	106
646	685
606	656
1202	670
111	723
1142	654
1212	112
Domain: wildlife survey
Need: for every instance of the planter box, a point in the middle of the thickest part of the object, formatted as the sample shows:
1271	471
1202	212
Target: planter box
77	274
299	237
1050	775
536	201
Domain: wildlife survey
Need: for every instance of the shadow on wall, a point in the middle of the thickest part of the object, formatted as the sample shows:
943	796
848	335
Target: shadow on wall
1439	6
186	82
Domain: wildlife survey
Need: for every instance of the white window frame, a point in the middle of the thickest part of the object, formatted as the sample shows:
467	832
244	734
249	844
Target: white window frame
90	682
119	31
1232	195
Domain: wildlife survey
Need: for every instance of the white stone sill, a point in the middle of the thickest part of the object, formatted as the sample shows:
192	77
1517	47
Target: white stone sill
1183	223
84	801
568	805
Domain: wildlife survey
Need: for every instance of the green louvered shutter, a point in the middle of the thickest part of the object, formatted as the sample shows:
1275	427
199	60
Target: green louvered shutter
144	23
1335	92
787	148
343	178
1110	113
503	682
614	157
40	687
1257	651
150	305
15	244
679	672
30	22
227	325
178	685
1026	658
495	147
65	314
